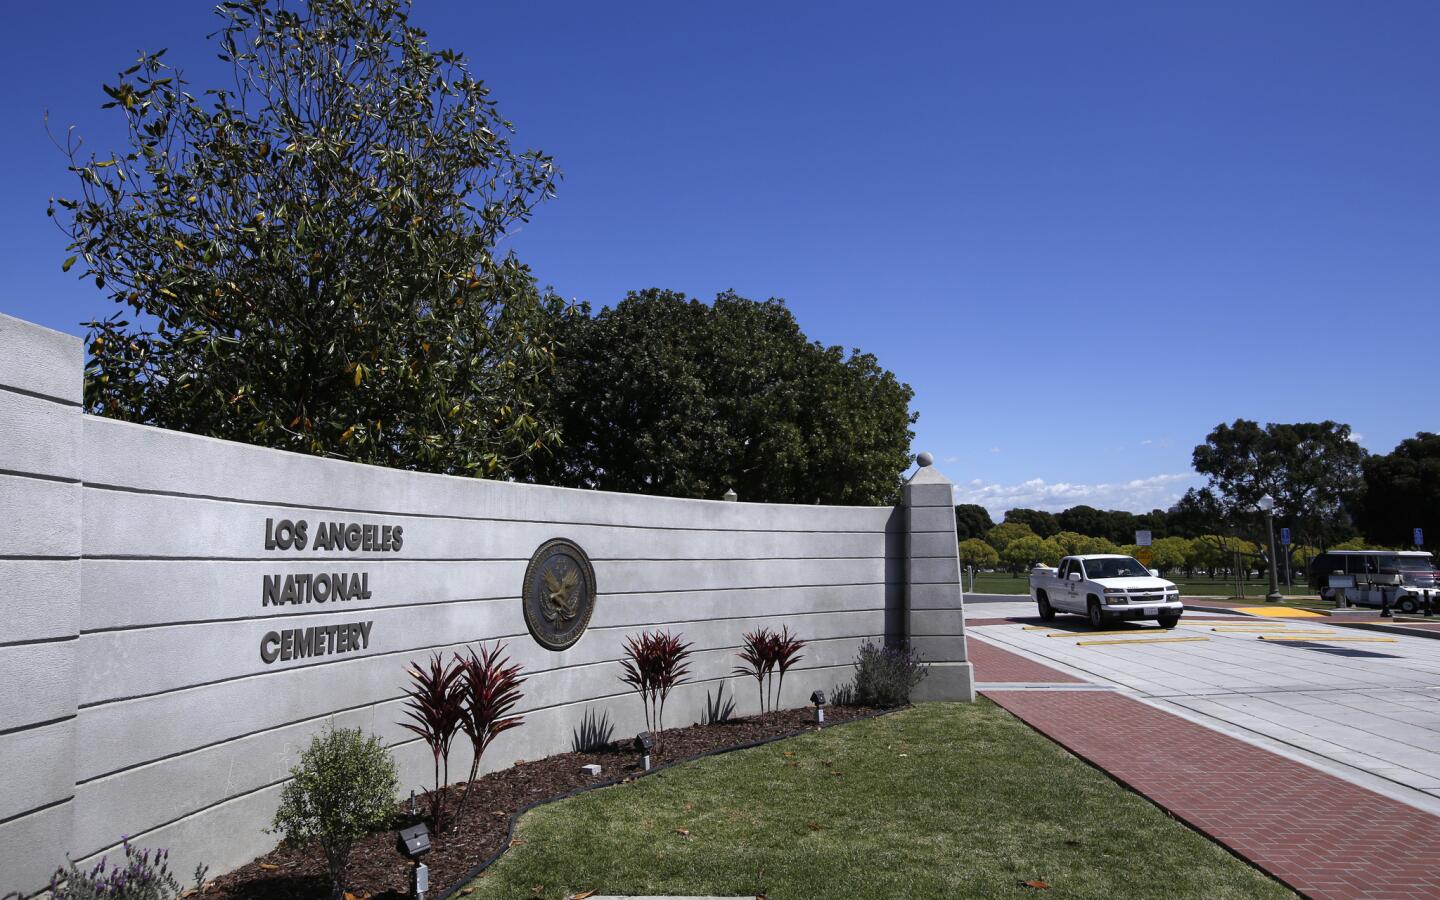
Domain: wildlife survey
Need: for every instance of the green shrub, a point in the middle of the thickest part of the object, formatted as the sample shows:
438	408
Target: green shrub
342	789
884	676
144	876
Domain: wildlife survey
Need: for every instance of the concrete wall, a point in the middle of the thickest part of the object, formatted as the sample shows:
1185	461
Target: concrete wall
132	562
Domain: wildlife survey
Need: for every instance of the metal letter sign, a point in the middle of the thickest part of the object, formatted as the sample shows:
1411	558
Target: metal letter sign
1419	537
1285	536
559	594
1143	539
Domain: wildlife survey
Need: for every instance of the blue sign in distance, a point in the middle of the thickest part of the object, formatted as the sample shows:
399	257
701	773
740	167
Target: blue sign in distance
1419	537
1285	536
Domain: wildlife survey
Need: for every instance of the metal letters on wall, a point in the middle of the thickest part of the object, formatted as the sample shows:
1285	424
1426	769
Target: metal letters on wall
559	594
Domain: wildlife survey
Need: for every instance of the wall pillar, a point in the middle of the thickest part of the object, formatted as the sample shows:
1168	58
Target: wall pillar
935	613
41	374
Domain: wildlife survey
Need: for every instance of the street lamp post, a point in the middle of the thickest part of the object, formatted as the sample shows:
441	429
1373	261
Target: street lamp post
1267	506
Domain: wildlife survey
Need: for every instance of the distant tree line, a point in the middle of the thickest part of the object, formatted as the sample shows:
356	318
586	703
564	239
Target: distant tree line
1328	490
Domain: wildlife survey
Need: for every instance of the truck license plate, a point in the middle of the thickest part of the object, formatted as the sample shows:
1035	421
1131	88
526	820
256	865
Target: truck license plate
1152	610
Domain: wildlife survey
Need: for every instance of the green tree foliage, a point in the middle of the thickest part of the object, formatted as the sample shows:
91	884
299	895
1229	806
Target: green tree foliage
1221	553
1084	519
1001	535
1027	550
1040	522
1357	544
1156	521
1075	544
1198	512
1114	525
972	521
342	789
1170	553
1311	469
1071	542
1402	492
977	553
667	395
306	256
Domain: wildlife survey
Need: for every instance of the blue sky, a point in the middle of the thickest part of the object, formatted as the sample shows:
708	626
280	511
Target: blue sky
1084	233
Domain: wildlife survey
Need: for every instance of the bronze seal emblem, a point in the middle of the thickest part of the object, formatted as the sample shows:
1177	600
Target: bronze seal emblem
559	594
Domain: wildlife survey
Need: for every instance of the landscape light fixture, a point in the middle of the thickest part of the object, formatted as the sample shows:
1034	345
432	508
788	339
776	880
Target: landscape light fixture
645	742
1267	506
818	698
414	842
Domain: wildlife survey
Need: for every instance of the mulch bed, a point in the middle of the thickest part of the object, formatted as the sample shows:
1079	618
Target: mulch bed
378	870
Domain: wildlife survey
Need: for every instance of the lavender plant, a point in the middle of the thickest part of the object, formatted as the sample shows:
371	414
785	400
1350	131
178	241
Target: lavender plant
145	875
885	676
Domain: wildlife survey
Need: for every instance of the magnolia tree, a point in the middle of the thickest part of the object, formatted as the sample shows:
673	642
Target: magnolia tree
305	257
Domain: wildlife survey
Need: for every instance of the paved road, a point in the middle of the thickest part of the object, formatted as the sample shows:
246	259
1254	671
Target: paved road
1368	711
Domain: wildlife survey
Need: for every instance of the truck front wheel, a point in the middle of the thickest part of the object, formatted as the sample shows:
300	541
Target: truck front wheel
1047	612
1097	615
1169	620
1408	605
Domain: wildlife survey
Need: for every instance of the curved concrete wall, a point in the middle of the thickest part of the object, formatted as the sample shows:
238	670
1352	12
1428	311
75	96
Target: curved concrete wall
135	561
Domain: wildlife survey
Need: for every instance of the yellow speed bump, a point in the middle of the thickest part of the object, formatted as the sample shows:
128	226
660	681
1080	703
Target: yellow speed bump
1161	640
1138	631
1278	612
1327	640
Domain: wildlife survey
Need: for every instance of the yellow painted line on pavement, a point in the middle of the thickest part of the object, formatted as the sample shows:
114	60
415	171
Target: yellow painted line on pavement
1163	640
1268	626
1122	631
1294	635
1328	640
1268	629
1278	612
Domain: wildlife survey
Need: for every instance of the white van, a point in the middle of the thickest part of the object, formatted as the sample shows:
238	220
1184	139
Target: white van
1403	578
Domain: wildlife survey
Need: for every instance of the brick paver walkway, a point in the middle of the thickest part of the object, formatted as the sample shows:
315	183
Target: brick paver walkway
1322	836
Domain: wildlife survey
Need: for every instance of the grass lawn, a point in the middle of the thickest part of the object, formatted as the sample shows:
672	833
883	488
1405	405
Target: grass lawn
945	800
1255	588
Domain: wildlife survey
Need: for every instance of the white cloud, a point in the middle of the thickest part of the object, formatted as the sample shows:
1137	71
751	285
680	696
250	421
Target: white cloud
994	449
1357	437
1139	495
952	459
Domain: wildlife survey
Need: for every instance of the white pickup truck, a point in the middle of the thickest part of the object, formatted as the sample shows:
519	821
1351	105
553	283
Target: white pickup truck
1105	587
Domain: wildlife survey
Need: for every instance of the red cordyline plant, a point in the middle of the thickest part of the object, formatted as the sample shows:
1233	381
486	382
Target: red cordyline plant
765	653
434	705
491	690
654	664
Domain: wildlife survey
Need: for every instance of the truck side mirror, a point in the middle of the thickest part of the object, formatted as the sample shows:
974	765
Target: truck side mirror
1154	573
1074	576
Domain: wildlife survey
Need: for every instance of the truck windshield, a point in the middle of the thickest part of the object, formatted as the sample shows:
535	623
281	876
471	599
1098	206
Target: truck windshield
1115	567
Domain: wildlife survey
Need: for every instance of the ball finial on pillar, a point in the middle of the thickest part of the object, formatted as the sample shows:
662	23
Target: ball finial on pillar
924	459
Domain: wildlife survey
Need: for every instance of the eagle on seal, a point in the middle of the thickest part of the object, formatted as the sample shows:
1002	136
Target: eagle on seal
562	599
